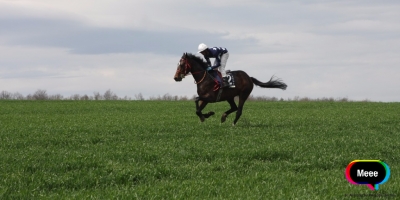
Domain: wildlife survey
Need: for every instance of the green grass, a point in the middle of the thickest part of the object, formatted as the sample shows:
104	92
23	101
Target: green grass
160	150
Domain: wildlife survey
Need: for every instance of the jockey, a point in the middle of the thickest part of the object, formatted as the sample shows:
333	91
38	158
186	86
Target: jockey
221	55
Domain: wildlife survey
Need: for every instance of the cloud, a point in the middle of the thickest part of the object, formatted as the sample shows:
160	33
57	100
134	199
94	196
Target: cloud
83	39
29	74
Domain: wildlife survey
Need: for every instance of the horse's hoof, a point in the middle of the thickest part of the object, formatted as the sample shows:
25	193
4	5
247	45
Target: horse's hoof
211	113
223	118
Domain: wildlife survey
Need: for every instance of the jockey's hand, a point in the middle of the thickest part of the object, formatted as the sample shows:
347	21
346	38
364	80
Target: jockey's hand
209	68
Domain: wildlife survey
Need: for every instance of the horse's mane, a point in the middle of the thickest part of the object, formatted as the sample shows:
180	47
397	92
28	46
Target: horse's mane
199	60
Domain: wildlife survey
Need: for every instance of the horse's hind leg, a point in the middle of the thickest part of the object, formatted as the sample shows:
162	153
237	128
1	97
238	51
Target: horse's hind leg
199	107
240	108
233	109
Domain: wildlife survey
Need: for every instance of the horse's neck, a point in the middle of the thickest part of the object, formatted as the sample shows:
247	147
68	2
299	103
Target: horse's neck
197	71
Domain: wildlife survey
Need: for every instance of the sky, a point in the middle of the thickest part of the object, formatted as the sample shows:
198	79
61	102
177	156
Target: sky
319	48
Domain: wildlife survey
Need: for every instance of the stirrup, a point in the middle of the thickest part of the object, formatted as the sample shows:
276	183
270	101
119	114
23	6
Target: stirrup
225	82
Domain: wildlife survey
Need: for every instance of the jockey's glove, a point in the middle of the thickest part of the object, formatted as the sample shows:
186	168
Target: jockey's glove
209	68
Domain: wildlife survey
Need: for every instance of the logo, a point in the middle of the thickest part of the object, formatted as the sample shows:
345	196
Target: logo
367	172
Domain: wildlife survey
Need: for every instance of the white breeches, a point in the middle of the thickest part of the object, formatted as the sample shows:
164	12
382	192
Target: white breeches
224	59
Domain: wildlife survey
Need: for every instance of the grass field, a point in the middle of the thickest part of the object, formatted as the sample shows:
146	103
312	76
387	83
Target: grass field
160	150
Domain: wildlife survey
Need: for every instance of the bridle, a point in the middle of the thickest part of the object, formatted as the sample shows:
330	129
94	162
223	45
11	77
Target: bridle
188	68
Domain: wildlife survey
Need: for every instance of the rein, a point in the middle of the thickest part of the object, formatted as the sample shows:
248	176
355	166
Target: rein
205	72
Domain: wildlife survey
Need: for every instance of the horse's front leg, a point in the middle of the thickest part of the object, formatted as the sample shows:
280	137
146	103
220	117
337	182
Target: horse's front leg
200	105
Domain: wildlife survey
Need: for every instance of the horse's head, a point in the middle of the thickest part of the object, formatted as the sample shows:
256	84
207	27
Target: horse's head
183	68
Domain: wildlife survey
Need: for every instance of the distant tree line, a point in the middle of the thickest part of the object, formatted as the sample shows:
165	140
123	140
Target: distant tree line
109	95
42	95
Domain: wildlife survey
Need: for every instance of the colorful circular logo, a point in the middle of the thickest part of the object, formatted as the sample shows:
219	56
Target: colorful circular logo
367	172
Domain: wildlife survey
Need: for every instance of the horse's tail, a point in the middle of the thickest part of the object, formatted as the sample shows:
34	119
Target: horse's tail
272	83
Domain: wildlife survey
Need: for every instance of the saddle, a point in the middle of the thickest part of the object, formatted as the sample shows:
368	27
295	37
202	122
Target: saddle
218	79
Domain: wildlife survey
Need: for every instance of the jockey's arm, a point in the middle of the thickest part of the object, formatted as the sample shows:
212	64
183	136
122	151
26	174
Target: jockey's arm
217	62
208	61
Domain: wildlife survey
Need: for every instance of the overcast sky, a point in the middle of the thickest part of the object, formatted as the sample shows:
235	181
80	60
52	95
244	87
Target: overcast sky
320	48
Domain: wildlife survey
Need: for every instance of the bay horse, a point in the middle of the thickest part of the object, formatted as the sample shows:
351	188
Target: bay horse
190	63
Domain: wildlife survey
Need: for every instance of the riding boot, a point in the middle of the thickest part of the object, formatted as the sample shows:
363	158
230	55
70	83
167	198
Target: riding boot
225	82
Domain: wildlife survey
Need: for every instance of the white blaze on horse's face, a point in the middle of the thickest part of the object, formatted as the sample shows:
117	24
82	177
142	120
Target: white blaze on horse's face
179	72
181	68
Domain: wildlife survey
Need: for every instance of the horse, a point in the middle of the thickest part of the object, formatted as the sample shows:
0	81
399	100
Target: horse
205	81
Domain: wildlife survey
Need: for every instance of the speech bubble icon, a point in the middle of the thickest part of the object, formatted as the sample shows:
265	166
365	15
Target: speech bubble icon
367	172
